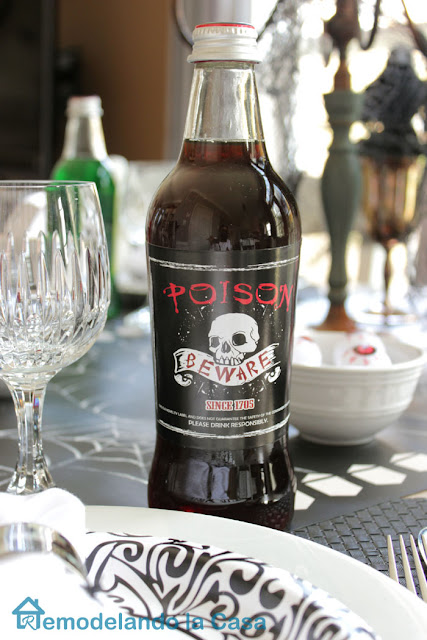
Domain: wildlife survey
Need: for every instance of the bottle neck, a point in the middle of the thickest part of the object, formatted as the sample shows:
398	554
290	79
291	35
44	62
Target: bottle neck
224	104
84	137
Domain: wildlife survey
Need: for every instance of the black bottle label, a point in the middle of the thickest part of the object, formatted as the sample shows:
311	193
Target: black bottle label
222	330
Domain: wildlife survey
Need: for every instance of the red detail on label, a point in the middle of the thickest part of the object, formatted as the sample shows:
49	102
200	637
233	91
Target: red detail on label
241	375
205	367
251	368
264	359
238	289
224	290
191	359
221	371
219	405
266	286
248	403
202	286
285	294
175	291
203	293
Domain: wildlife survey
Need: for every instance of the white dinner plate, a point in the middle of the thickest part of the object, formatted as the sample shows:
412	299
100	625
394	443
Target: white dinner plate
393	612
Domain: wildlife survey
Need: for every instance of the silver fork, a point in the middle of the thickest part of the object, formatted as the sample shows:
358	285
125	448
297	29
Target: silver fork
406	567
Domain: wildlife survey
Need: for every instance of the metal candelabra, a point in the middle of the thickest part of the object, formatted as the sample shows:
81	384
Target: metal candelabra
341	180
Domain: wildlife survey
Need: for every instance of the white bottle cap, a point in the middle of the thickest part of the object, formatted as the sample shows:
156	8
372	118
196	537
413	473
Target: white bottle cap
224	41
84	106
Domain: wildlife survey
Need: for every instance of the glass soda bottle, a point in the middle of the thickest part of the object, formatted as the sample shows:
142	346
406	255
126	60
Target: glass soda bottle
223	242
84	157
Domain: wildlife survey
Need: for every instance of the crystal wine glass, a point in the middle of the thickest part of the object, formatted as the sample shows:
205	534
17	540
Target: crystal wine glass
54	297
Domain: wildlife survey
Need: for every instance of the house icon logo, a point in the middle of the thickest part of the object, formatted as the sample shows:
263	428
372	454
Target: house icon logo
28	614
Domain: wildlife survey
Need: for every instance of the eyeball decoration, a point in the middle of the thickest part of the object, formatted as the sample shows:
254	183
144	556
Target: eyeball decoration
306	351
361	349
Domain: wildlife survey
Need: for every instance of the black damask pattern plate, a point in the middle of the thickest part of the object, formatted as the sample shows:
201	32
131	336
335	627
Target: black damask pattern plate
208	593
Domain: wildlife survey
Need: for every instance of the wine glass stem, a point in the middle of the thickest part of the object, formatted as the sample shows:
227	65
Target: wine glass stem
31	473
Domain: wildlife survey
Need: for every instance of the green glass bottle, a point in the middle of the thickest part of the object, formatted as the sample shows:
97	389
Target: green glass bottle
84	157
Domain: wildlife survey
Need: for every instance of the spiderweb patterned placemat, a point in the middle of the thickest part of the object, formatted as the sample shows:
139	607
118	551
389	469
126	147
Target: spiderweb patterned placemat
362	535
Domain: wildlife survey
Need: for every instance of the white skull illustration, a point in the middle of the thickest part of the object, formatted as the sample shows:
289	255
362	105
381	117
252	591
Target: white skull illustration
232	336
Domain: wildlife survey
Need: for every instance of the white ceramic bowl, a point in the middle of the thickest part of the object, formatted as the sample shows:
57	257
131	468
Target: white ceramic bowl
348	405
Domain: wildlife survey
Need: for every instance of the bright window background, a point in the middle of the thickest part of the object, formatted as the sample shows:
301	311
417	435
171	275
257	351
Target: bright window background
310	126
313	135
315	78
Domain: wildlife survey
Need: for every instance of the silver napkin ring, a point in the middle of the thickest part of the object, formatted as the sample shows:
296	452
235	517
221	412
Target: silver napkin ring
29	537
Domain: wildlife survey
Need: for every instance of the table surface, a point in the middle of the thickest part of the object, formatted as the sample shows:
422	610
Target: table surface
99	435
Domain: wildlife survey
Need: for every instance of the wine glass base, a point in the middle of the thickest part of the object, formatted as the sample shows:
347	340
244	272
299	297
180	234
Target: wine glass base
25	483
379	316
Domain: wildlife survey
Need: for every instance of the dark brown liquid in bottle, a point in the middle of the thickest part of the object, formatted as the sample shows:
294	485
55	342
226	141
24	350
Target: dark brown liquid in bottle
253	209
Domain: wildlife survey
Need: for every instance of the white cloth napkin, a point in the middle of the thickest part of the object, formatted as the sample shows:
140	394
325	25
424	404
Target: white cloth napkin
55	508
39	591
